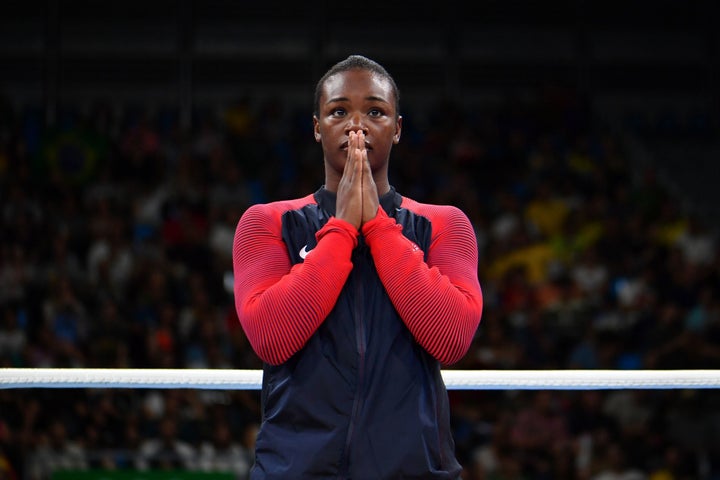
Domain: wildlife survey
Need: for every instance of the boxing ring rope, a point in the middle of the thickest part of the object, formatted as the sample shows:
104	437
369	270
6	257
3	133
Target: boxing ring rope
228	379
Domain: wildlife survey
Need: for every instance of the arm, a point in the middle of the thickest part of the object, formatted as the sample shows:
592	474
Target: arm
440	301
279	305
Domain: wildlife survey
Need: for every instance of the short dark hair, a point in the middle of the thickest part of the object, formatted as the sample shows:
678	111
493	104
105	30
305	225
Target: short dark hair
356	62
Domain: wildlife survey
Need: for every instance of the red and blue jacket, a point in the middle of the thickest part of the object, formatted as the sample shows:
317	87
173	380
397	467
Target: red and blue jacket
353	328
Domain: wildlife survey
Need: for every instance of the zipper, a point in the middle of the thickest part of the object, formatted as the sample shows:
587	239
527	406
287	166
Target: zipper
360	345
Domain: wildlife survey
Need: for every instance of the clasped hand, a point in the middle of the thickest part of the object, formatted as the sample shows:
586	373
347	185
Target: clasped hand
357	195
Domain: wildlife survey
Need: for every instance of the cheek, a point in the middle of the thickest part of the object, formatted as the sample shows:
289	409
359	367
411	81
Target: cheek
386	145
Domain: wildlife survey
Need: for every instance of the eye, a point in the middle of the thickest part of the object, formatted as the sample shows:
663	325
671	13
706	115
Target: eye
376	112
337	112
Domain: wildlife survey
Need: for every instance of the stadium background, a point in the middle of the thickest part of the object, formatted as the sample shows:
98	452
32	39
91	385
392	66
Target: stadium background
580	137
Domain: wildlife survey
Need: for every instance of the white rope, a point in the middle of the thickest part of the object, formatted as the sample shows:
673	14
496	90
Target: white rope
225	379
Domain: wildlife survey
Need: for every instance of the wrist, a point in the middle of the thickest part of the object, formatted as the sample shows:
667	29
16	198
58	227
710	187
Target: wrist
381	221
341	227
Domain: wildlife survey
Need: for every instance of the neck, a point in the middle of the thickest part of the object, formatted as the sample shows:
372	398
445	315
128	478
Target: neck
383	186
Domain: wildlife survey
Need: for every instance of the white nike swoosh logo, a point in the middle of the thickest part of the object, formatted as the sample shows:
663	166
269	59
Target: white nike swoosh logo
304	252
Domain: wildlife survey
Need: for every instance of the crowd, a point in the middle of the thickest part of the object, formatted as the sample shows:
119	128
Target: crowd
116	230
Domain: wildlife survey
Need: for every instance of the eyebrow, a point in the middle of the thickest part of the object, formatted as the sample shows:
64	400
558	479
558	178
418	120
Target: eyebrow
372	98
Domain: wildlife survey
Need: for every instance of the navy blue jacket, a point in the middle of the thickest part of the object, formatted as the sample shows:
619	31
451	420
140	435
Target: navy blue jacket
362	400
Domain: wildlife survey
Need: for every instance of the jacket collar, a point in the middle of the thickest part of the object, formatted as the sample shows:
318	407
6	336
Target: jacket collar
327	200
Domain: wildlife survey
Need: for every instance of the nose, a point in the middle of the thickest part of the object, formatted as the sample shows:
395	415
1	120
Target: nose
355	124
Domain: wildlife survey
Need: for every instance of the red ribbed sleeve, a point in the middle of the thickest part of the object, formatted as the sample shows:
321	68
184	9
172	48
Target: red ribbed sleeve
279	305
440	301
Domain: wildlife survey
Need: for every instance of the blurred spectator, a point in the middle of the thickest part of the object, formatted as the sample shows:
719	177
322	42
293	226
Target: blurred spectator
613	466
110	259
56	451
16	273
110	336
697	243
539	431
629	409
591	276
545	210
66	318
223	453
8	454
13	337
509	467
486	458
165	450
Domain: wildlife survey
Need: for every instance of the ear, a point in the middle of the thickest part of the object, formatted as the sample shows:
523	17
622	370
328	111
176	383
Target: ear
398	130
316	129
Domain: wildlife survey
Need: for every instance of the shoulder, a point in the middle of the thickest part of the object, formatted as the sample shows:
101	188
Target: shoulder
442	214
274	210
447	222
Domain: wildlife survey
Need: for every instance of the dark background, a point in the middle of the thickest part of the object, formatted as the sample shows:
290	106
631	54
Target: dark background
635	63
187	53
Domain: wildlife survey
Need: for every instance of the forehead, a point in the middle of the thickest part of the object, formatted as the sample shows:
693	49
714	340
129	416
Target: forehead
357	83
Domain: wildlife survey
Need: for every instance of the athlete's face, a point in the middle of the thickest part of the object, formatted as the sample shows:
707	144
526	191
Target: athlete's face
357	100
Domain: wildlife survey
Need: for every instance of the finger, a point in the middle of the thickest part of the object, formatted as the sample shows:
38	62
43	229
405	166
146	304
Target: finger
368	180
361	148
350	150
349	170
352	173
360	155
369	191
357	149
